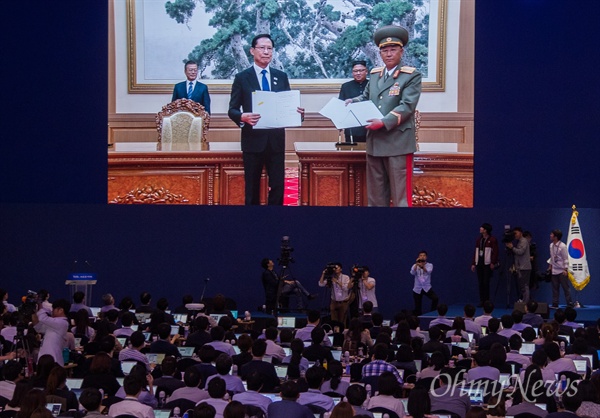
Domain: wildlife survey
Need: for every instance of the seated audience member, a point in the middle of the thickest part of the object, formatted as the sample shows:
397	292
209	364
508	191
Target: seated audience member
227	323
377	319
492	336
271	381
571	402
518	325
531	317
356	395
532	392
378	365
458	332
335	384
185	300
556	363
470	325
244	343
219	306
233	383
578	349
445	399
13	373
100	375
570	317
516	343
8	307
126	323
91	400
388	386
234	409
560	318
297	364
481	368
146	383
137	342
366	319
145	300
434	344
419	404
204	410
168	381
252	395
217	391
78	304
436	364
405	360
442	310
164	344
43	368
10	327
314	377
342	410
22	387
218	342
313	319
356	336
287	407
273	349
528	335
507	326
56	386
108	303
315	351
127	305
160	315
112	317
590	399
497	355
131	404
30	402
488	308
206	369
199	335
191	390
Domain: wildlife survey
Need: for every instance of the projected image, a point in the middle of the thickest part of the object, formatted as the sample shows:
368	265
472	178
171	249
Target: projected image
201	142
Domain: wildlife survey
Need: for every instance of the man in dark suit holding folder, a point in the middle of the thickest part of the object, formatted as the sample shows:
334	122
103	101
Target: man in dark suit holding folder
260	147
191	88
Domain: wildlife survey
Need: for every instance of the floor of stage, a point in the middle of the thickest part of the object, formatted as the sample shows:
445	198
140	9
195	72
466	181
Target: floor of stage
587	315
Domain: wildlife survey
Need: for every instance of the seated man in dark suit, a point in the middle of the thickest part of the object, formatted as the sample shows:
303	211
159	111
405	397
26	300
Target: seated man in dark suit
271	381
493	337
168	382
287	407
434	344
316	351
191	88
163	344
200	334
206	369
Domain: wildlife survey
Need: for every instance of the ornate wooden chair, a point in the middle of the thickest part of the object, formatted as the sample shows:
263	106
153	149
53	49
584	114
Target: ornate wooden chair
182	121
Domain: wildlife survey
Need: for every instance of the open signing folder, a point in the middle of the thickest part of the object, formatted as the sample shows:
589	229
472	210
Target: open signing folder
277	109
352	115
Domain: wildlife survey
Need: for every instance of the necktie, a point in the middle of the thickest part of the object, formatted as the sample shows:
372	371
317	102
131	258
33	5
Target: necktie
190	90
265	82
385	77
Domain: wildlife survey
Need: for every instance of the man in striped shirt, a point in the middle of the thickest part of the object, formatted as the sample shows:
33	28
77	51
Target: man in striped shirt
378	364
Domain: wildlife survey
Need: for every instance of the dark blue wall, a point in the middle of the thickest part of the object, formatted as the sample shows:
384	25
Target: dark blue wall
535	156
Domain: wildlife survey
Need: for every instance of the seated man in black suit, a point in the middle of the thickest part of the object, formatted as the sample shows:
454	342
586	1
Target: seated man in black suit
434	344
493	337
287	407
267	370
316	351
163	344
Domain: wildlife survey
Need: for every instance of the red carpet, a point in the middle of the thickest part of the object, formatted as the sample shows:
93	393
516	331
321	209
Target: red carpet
290	193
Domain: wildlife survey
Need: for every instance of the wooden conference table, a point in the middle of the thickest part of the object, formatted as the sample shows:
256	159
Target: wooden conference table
213	174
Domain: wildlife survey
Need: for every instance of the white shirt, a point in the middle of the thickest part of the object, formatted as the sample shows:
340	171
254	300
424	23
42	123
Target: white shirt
422	277
339	292
368	294
559	257
55	335
259	75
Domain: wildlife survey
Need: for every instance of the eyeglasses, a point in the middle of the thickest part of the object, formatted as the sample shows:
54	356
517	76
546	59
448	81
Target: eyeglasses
359	71
264	48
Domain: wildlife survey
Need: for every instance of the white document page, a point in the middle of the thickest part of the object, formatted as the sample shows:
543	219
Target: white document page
277	109
355	114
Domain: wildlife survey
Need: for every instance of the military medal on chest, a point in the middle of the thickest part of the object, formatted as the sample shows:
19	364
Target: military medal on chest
394	90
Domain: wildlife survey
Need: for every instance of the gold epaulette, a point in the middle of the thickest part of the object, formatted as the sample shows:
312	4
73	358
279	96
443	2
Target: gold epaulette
407	69
377	70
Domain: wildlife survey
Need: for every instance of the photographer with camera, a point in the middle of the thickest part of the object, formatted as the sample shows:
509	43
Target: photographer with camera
54	325
366	286
484	261
422	272
522	263
341	291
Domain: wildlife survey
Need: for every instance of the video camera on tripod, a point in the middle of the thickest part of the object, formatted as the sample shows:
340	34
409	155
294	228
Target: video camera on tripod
285	258
329	272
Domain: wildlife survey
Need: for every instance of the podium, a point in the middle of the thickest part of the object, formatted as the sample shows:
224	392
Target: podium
81	282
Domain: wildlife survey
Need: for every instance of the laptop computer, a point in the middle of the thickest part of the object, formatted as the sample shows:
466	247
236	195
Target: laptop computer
527	349
281	370
235	314
504	380
180	317
386	323
95	311
162	413
155	358
217	317
174	329
122	341
581	366
74	383
286	322
142	317
186	351
126	366
475	395
337	354
54	408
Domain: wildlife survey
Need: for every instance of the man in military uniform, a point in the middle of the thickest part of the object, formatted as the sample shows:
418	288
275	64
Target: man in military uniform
391	141
353	88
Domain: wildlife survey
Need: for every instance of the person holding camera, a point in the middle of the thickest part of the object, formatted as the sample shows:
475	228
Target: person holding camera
522	263
341	291
366	285
484	261
422	272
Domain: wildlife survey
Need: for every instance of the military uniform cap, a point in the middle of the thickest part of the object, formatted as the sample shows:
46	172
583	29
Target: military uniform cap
390	35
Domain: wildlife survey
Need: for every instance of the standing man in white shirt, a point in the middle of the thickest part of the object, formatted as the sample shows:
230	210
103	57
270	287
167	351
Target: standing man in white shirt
558	263
422	272
341	291
366	285
54	325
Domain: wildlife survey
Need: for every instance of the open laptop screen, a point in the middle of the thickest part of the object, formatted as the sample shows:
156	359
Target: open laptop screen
286	322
